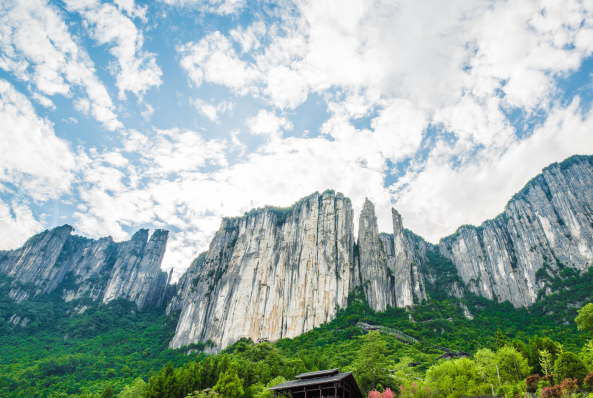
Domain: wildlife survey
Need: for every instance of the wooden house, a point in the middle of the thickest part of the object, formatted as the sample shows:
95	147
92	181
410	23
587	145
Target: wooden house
322	384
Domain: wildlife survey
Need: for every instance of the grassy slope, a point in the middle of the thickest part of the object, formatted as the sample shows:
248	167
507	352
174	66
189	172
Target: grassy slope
60	353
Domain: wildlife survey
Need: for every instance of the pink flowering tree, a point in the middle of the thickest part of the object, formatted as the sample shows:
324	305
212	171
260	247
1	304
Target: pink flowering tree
388	393
374	394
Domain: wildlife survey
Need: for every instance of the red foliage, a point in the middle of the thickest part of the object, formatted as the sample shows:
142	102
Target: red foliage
388	393
569	386
532	382
552	392
589	380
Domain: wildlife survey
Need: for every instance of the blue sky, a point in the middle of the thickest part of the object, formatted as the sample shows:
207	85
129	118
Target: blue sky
121	115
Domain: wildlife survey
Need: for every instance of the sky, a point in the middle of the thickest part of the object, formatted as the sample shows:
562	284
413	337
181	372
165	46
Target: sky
120	115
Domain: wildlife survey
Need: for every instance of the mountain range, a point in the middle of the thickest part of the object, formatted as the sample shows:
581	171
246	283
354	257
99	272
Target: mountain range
279	272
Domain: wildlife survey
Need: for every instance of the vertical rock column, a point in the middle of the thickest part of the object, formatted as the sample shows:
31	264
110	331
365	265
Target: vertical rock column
408	279
372	260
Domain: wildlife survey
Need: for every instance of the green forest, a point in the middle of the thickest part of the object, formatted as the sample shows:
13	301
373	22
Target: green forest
55	349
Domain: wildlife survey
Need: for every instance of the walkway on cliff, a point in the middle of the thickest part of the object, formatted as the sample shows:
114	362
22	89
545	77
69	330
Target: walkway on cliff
404	338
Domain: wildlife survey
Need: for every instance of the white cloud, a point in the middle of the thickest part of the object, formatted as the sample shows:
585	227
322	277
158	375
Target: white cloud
211	111
424	82
136	70
222	7
214	59
249	38
268	124
147	113
436	197
37	48
32	158
43	101
17	224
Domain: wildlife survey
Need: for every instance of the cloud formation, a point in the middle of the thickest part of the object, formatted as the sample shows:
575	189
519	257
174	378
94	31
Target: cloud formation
135	70
37	48
440	110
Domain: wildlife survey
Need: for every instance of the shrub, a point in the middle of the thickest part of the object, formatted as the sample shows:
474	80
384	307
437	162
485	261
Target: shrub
374	394
532	382
569	386
552	392
570	366
589	380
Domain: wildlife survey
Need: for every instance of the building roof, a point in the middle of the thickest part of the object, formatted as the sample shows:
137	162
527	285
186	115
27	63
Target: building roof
319	373
311	381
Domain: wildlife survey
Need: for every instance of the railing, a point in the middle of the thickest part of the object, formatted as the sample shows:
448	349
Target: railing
410	340
391	331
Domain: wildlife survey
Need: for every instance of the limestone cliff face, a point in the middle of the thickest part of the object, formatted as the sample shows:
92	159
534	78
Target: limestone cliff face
390	265
80	267
372	260
272	273
544	228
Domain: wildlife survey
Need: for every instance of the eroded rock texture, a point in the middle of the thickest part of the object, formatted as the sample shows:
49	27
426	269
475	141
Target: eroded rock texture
544	228
389	264
272	273
81	267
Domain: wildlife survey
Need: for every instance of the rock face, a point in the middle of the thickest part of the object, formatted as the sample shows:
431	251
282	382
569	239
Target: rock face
389	264
80	267
277	273
273	273
545	228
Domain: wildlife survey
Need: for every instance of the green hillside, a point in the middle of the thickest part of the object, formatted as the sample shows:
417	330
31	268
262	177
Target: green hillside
107	347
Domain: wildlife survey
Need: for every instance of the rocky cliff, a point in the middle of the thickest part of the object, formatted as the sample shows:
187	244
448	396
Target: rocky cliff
545	231
78	267
280	272
270	274
277	273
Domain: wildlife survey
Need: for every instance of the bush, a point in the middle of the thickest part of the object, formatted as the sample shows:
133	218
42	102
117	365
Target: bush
589	380
570	366
532	382
552	392
569	386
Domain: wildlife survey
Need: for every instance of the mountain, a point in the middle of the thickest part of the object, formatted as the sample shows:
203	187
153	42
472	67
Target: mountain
546	230
276	273
100	269
279	272
79	315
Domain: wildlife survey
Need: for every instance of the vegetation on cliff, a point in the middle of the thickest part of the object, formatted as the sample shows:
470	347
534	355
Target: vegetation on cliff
116	349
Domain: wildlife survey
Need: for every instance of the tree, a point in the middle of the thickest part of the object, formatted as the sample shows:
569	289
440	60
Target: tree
108	392
207	393
540	343
569	366
134	390
229	384
263	391
585	318
500	342
545	361
485	361
512	366
454	378
587	354
370	367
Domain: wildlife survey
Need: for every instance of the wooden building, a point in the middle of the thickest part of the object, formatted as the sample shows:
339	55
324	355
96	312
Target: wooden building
324	383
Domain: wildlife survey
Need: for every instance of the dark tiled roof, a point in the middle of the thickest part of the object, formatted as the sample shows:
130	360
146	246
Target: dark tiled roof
319	373
310	381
